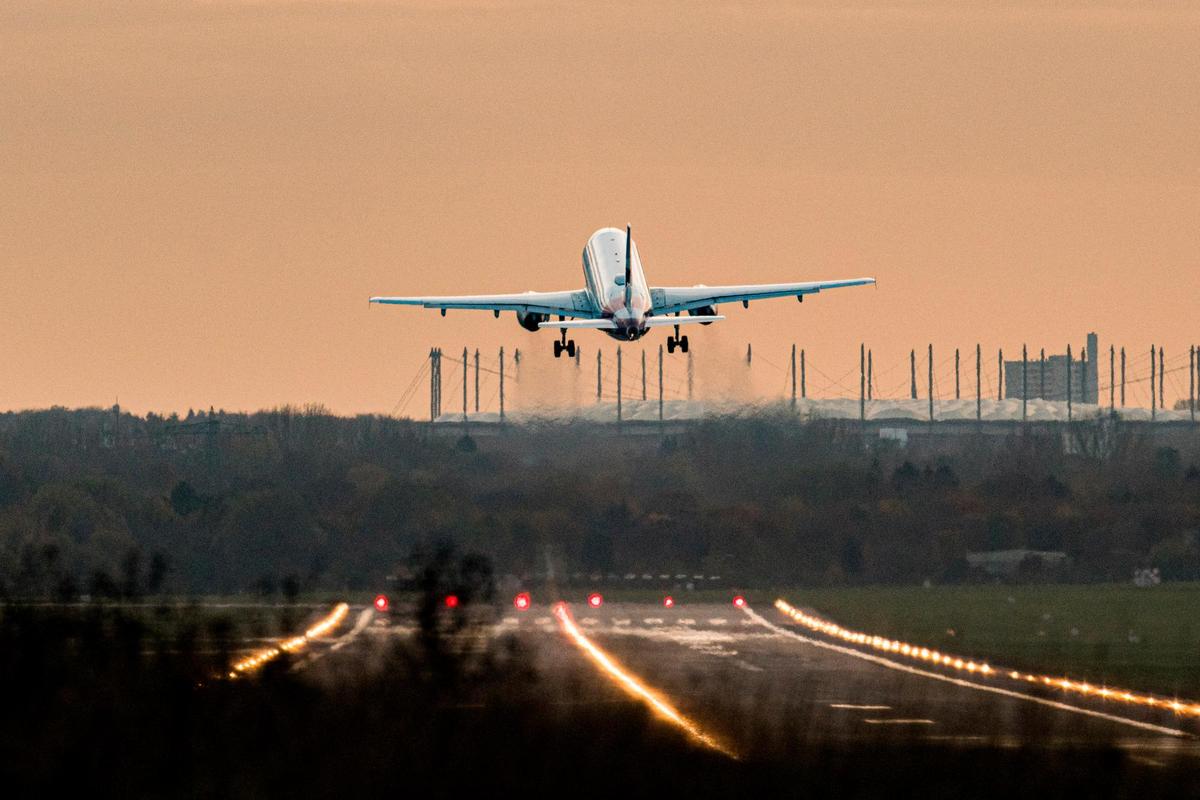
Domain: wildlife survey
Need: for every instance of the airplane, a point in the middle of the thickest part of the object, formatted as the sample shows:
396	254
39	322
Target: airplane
617	300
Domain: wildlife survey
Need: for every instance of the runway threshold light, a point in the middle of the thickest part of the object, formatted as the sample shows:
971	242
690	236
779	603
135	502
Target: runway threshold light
739	602
522	601
668	602
381	602
451	601
595	600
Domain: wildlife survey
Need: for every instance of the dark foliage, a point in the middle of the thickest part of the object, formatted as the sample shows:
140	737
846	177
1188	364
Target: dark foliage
225	503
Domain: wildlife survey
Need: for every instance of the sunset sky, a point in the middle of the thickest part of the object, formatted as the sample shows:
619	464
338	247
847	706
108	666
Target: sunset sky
198	198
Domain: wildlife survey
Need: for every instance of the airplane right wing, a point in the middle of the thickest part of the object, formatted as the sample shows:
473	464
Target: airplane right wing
565	304
671	299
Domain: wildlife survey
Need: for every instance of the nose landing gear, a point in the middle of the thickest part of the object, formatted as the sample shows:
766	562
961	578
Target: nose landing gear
564	346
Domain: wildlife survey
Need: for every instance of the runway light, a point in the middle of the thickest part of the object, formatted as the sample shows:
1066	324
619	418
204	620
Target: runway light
522	601
295	643
381	603
668	602
819	625
595	600
631	685
739	602
451	601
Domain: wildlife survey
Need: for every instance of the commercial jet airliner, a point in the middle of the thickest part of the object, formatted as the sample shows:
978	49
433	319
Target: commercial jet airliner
617	300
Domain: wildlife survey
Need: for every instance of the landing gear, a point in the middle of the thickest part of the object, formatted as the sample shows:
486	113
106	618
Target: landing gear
564	346
677	341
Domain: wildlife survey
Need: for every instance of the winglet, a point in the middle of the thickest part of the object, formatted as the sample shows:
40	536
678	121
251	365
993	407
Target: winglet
628	263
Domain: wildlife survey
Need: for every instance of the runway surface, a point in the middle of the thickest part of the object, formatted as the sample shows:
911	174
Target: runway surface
764	686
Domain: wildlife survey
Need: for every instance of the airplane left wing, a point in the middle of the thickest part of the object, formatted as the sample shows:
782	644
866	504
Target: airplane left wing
565	304
672	299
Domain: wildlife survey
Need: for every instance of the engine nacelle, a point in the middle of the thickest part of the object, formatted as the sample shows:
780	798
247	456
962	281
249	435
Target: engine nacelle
703	311
529	320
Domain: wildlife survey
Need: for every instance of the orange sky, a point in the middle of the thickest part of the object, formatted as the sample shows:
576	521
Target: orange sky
197	199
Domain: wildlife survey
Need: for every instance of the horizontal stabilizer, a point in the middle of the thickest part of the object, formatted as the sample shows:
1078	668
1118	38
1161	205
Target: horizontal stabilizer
599	324
666	322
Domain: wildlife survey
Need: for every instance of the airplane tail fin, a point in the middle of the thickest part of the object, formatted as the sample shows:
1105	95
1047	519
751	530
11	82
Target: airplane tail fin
628	263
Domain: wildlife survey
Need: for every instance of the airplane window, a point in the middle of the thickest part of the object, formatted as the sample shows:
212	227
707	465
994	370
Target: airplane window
619	280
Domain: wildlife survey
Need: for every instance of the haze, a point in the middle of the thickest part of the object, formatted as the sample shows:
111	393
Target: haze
198	199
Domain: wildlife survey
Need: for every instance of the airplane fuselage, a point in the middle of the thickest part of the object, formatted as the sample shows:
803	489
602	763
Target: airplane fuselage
604	277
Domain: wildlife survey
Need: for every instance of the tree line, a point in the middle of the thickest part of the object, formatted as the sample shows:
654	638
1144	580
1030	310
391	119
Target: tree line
105	503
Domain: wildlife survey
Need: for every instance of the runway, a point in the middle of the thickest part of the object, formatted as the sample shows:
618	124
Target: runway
750	681
764	686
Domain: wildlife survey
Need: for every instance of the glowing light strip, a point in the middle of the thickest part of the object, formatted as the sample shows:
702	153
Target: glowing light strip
814	623
631	685
966	684
292	645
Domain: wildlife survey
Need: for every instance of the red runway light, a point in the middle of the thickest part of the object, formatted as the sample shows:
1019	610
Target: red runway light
522	601
451	601
739	602
595	600
381	602
668	602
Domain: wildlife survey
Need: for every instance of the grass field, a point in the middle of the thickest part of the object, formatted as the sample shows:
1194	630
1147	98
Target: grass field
1147	639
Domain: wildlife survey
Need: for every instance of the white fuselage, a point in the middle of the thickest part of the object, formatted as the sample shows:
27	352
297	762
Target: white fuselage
604	274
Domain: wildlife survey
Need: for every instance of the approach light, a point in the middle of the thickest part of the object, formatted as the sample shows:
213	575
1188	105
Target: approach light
739	602
522	601
595	600
381	602
668	602
451	601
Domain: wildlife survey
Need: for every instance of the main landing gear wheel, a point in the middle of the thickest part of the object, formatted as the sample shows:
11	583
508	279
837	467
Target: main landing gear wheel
677	341
566	346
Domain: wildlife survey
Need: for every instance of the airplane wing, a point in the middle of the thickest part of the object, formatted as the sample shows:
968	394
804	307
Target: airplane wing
671	299
565	304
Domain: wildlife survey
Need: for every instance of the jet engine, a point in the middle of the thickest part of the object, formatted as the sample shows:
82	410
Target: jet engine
703	311
529	320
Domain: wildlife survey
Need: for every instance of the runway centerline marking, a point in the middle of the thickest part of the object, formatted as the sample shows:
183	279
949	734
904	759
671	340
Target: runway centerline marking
855	707
632	685
899	721
889	664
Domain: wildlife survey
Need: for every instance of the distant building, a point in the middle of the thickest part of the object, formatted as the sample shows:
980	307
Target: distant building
1009	563
1048	380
